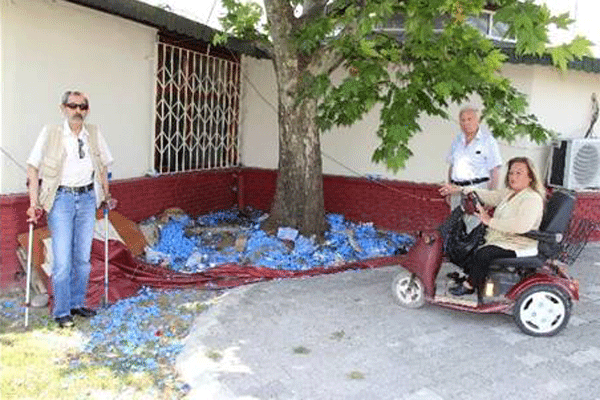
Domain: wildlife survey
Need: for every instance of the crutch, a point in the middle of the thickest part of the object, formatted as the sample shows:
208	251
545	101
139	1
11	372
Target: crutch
108	205
105	300
28	279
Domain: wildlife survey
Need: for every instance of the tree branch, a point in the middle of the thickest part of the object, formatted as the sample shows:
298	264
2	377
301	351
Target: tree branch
266	47
313	9
325	61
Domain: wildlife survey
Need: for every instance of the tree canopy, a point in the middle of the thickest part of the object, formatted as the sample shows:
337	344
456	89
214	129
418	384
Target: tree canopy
432	56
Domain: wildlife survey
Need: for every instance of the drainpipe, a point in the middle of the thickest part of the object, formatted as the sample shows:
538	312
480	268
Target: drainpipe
238	187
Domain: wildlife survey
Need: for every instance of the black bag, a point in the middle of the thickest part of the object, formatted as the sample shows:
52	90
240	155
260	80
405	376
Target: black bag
458	244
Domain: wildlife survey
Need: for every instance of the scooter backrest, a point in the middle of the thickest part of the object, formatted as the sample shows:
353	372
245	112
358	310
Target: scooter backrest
556	218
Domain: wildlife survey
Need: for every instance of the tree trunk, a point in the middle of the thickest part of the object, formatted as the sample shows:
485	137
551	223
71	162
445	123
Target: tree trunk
298	201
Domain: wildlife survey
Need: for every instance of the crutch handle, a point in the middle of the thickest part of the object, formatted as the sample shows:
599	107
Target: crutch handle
110	204
37	214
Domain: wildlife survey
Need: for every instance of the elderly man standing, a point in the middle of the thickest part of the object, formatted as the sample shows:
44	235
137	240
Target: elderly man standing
474	159
71	162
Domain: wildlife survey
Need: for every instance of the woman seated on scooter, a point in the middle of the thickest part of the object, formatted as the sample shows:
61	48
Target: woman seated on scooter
518	209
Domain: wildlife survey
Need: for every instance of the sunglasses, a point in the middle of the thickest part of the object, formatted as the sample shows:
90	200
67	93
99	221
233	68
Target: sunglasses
81	152
73	106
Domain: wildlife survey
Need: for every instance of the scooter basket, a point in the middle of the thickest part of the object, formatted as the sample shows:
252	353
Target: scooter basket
575	239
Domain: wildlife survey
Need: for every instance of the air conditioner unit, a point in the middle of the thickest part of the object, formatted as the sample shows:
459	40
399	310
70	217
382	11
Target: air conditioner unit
575	164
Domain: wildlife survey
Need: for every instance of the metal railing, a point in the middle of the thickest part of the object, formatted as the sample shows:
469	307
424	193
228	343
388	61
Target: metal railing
197	111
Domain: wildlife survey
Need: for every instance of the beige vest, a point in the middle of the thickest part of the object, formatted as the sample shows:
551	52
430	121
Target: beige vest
53	159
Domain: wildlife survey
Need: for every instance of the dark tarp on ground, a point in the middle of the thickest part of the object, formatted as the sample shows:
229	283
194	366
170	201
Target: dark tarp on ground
128	274
119	284
127	229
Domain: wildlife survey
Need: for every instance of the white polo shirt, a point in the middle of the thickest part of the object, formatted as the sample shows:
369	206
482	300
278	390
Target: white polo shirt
476	159
76	171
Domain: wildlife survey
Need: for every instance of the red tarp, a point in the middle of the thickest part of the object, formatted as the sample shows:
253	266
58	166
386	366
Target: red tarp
120	284
128	274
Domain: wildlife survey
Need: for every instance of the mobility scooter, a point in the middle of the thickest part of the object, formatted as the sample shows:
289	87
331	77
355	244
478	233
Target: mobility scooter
537	290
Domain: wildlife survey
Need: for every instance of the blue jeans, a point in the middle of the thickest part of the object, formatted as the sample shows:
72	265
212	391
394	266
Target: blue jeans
71	221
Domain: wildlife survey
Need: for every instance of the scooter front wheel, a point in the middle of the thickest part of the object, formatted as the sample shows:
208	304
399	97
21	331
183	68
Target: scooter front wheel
408	290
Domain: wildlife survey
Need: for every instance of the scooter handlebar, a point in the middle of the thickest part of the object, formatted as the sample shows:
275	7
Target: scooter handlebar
475	199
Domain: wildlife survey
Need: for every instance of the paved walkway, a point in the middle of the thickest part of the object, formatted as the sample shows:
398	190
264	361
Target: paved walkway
343	337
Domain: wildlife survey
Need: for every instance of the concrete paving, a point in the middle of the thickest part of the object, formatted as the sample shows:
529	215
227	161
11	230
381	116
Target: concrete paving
343	336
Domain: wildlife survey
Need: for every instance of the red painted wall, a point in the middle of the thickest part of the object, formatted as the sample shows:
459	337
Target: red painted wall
401	206
588	207
257	187
194	192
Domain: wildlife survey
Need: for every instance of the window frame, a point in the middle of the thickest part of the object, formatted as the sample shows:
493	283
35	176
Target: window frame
196	106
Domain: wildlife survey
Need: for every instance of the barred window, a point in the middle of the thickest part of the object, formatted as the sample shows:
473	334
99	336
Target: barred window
491	28
197	109
484	22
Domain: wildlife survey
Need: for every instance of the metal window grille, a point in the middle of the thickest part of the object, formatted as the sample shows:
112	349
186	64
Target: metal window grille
484	22
197	111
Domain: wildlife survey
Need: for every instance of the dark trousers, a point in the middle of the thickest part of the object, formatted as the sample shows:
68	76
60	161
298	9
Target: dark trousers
479	265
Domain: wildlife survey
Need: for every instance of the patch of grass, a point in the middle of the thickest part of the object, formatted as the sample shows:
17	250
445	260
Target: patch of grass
196	306
127	354
12	317
44	364
301	350
338	335
214	355
356	375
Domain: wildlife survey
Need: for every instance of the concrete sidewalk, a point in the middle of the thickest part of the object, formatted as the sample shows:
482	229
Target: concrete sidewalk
342	336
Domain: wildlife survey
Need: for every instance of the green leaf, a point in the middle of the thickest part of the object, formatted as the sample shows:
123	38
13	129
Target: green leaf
561	21
367	48
561	56
581	46
220	38
442	89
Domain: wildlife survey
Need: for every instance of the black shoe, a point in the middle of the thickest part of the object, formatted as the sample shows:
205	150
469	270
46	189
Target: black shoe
64	321
461	290
456	277
83	312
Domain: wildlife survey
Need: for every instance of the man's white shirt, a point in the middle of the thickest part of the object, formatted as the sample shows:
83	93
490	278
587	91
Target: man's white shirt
76	171
476	159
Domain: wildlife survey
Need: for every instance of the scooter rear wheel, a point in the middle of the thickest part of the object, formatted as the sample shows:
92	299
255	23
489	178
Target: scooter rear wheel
542	310
408	290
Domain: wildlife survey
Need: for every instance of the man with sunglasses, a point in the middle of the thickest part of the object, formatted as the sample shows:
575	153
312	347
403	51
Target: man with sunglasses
67	177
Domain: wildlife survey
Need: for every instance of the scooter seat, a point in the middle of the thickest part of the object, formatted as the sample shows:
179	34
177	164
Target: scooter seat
519	262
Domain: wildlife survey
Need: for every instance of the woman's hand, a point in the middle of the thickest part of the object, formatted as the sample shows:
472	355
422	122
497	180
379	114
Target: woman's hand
448	189
483	215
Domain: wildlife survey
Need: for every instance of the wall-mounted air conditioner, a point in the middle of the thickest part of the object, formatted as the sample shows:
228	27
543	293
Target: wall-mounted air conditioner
575	164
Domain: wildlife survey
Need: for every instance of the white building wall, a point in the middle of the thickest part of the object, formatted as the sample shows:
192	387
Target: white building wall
50	46
2	156
563	100
560	100
259	145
